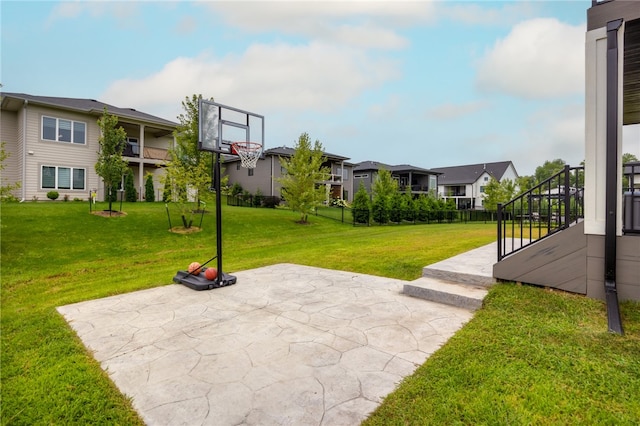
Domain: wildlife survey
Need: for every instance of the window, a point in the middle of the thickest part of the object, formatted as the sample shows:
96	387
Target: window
54	177
237	165
433	182
482	189
132	146
486	178
342	173
362	176
250	171
60	130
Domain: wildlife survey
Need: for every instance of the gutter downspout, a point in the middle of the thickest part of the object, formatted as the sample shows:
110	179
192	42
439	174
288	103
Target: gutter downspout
24	152
611	185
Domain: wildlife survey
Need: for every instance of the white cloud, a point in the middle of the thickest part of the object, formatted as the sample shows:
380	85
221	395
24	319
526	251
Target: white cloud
368	24
450	111
486	15
540	58
550	133
317	77
123	11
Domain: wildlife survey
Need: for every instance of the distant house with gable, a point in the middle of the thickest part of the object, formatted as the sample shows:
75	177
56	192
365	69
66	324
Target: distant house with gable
466	184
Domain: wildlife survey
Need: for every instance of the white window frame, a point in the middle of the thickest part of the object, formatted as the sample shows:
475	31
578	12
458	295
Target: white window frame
56	178
57	138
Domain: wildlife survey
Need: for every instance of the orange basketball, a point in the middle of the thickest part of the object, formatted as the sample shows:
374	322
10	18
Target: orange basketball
210	273
195	268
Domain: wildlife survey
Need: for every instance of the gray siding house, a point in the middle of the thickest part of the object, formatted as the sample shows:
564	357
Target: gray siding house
263	178
417	179
53	145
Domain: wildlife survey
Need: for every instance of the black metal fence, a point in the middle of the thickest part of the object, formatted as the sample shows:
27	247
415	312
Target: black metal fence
253	201
549	207
365	217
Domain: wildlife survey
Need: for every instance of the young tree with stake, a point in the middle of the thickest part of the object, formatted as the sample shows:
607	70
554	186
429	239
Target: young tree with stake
111	166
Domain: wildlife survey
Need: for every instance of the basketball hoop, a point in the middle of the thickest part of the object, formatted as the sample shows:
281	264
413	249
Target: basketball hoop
249	153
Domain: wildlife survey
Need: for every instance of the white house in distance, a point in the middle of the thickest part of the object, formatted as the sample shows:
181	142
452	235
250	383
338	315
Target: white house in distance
53	145
465	184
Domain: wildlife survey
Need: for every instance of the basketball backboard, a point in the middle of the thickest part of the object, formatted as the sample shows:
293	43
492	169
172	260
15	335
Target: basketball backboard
221	125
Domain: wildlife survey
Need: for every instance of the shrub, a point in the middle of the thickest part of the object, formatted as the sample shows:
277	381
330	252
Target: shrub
236	189
271	202
380	209
149	190
53	195
258	198
130	192
395	208
360	207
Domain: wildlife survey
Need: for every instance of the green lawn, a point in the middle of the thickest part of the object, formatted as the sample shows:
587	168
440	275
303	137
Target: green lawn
527	356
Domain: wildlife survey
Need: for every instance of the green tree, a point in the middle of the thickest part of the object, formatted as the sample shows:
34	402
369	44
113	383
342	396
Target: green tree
384	188
6	189
149	190
525	183
130	192
384	185
396	207
303	170
548	169
188	171
111	166
422	207
498	192
361	205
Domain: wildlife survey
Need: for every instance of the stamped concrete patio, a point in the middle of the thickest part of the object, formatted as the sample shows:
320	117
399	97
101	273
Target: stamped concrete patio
286	345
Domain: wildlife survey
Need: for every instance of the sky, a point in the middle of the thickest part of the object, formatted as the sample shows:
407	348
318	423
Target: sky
426	83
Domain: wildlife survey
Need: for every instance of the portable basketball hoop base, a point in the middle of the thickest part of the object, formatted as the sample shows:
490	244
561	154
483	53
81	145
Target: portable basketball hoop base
199	282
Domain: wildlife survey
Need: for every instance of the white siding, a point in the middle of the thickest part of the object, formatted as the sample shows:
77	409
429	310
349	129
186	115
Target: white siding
49	153
596	135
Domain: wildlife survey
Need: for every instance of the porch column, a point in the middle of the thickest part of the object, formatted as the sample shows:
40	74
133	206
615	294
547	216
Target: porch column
141	165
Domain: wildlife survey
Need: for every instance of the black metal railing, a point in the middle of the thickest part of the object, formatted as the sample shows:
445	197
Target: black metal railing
551	206
631	198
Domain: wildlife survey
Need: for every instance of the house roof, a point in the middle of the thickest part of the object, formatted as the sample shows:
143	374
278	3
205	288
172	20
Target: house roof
288	152
15	101
471	172
401	168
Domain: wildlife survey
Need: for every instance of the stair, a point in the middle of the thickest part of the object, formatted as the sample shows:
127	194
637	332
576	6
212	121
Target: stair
436	290
461	281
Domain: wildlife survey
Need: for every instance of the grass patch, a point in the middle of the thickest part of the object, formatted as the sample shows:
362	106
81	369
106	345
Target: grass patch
530	356
54	254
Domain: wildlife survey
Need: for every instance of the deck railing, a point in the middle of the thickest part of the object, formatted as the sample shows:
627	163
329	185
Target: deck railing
631	198
551	206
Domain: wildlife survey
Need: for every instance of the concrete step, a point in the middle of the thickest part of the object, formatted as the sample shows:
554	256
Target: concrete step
474	267
440	291
467	278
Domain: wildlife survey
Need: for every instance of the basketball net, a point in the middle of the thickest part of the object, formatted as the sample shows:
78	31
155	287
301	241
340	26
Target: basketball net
249	153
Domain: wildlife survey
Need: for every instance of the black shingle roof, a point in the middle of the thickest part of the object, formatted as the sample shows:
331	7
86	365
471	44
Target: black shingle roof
375	165
471	172
88	106
288	152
